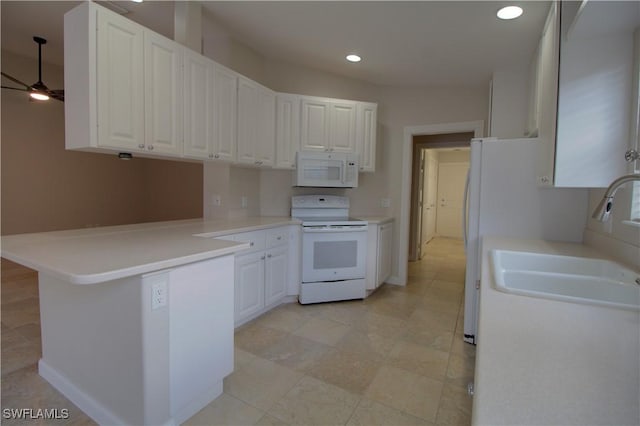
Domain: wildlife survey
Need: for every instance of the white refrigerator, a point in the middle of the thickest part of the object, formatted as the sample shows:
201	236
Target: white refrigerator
503	198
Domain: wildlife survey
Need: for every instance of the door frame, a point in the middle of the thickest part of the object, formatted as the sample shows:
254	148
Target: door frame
477	127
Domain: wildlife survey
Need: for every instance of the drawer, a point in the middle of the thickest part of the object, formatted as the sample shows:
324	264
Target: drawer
277	237
256	240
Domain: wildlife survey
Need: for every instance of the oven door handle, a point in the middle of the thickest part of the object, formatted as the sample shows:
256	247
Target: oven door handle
334	228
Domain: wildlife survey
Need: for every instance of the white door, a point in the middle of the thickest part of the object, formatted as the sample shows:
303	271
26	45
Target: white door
451	179
249	284
366	135
265	143
420	204
430	198
225	101
343	127
314	125
163	94
276	268
247	120
120	86
197	105
287	130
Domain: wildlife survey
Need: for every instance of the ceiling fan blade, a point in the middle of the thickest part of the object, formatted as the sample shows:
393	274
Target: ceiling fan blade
57	94
15	88
15	80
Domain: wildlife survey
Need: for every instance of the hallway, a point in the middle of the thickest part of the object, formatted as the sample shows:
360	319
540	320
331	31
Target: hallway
396	358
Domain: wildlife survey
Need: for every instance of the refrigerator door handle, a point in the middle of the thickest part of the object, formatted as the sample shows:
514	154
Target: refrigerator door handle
465	219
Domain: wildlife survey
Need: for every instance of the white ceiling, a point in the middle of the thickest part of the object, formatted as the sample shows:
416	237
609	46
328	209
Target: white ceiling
415	43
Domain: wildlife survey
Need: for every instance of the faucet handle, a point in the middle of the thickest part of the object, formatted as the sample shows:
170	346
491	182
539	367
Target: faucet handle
631	155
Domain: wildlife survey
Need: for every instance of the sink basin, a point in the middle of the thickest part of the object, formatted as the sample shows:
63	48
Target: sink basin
571	279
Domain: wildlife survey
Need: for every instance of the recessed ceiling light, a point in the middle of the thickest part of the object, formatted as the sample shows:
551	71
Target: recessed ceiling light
137	1
509	12
353	58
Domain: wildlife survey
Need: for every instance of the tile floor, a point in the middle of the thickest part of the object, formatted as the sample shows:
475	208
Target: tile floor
396	358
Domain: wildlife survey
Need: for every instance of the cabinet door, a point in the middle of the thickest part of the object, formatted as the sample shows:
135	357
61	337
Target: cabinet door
287	130
366	135
276	269
343	127
163	94
247	120
314	125
225	97
249	284
120	84
265	143
197	105
385	238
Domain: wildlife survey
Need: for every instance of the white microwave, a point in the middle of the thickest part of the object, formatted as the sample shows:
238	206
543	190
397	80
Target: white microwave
326	170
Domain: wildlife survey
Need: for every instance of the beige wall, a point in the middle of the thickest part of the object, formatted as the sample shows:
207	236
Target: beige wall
45	187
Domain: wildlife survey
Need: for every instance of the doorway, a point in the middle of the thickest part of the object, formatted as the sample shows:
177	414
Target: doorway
439	172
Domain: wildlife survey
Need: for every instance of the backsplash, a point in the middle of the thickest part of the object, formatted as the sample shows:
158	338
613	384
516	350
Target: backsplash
614	237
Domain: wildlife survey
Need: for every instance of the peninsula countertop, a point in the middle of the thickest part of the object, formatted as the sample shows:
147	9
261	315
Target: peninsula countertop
94	255
550	362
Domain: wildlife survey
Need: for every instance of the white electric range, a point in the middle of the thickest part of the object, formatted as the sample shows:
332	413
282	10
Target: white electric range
333	249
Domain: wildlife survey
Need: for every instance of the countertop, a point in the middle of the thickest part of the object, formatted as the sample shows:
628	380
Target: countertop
94	255
546	362
376	220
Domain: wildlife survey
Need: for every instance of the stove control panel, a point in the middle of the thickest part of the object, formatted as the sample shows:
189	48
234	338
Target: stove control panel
319	201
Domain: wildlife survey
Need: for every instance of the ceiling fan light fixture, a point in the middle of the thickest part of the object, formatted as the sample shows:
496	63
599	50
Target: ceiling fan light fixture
509	12
39	96
353	58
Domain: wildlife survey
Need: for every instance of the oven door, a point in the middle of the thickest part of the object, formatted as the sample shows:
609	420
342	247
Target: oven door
333	253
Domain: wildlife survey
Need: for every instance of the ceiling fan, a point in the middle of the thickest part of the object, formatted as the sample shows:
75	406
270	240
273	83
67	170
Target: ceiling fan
38	90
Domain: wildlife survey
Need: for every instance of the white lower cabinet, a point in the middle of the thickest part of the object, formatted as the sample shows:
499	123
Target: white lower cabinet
262	272
380	238
249	284
275	274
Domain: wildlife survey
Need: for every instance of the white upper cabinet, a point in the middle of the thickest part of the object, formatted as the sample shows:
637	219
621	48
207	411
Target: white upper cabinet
198	93
287	130
256	123
120	108
343	127
163	94
328	125
225	95
129	89
366	135
581	92
209	109
314	130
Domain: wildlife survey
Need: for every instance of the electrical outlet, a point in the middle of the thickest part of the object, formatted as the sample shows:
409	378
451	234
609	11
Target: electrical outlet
385	202
216	200
159	295
244	201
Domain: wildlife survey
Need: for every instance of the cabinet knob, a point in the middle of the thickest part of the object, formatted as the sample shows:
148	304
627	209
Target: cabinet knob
251	244
210	155
279	238
150	147
269	256
216	156
262	258
141	145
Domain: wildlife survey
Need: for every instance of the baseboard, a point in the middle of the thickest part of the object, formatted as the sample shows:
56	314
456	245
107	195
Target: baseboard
86	403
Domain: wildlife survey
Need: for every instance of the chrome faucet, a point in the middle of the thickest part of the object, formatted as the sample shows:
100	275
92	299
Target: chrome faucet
603	210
